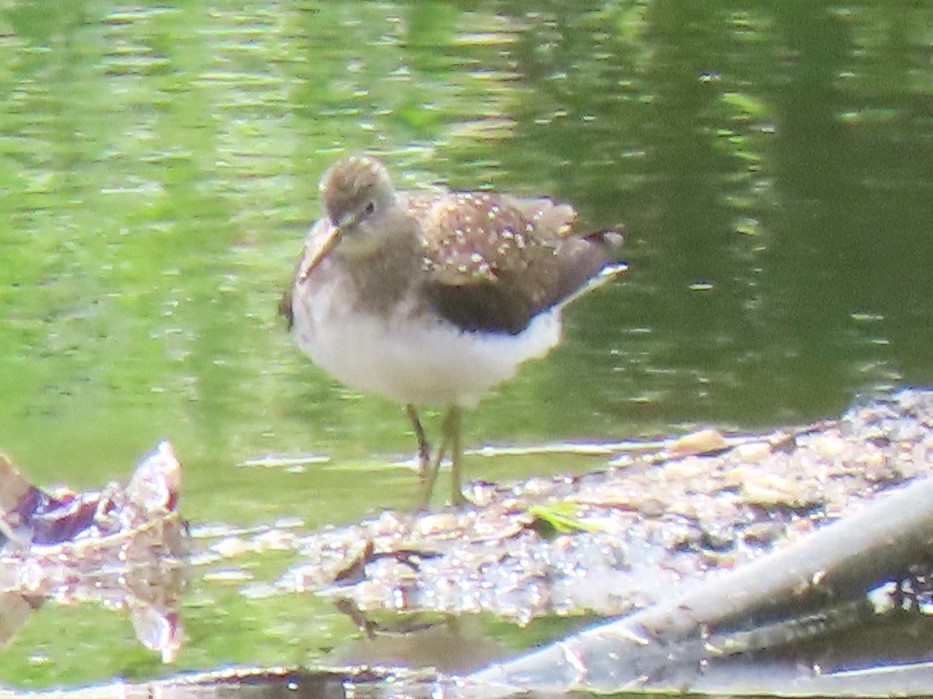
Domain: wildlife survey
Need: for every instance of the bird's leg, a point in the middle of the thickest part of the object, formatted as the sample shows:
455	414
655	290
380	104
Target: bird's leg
450	439
434	468
451	432
424	449
427	483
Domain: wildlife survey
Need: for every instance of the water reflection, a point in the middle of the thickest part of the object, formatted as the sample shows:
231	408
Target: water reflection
158	170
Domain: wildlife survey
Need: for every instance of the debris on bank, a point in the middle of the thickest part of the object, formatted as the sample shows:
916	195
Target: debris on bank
621	539
794	562
122	547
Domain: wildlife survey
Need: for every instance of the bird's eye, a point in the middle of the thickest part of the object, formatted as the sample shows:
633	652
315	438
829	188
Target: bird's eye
370	208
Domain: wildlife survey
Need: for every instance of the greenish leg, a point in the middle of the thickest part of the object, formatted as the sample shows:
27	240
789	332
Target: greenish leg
452	423
430	477
450	439
424	449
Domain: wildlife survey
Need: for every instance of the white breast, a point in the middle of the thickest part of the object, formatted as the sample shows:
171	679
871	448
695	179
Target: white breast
420	359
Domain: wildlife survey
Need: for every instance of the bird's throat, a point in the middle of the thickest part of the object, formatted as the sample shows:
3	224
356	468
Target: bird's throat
386	272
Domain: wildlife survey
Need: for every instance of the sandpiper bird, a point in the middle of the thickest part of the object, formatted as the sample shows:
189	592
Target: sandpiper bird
432	298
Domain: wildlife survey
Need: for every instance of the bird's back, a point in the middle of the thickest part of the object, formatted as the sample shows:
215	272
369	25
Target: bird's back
493	262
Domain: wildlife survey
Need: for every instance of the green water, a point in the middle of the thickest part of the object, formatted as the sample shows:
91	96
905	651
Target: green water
773	164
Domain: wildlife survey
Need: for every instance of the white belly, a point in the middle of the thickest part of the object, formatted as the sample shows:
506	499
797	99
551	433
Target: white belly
420	360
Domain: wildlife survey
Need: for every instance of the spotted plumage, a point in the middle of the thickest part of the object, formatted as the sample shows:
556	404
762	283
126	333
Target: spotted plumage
434	297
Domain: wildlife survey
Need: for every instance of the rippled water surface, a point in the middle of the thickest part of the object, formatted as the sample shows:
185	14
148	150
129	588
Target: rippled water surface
772	163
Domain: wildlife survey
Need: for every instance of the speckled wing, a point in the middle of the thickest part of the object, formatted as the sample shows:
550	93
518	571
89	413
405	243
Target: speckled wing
494	262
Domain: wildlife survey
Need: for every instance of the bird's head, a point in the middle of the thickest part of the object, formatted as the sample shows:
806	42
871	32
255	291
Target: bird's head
359	203
358	197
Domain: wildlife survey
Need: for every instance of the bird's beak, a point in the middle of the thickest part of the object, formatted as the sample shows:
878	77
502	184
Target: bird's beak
318	248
